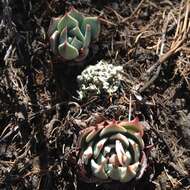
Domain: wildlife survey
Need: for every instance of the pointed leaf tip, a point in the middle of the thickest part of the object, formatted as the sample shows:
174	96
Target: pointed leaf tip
53	26
54	41
67	21
68	51
98	170
76	14
110	129
95	26
87	37
99	146
87	154
134	126
119	151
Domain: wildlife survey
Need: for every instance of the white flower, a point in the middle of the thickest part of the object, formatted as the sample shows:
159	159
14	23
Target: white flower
100	77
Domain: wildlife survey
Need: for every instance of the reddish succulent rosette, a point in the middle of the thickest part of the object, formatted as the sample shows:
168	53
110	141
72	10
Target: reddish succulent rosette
112	151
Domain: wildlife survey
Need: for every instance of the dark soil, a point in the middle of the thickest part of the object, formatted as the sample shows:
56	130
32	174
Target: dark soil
41	116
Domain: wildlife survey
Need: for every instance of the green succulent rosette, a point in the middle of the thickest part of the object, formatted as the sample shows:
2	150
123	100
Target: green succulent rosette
71	35
112	151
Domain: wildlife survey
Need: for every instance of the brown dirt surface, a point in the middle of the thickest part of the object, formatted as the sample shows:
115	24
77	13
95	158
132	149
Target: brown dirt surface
41	116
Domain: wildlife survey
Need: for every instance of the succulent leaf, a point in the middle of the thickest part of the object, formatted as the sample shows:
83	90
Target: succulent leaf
110	129
53	26
101	158
135	149
136	138
98	170
87	36
112	152
133	126
68	51
127	158
76	43
106	150
118	173
114	160
98	147
92	134
82	137
53	41
95	26
77	15
87	154
67	21
119	151
63	36
122	138
132	169
76	32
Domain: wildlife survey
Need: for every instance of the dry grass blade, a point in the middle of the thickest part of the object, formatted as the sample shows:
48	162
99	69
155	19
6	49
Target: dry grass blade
178	43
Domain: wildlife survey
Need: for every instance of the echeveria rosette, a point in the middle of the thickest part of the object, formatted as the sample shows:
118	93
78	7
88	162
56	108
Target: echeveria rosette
71	35
112	151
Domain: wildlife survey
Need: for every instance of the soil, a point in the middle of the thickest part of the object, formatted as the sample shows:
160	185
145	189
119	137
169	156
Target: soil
41	115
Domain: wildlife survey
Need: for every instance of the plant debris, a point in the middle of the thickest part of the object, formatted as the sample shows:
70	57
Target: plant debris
40	113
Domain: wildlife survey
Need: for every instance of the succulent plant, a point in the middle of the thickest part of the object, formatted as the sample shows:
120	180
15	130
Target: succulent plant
112	150
102	77
71	35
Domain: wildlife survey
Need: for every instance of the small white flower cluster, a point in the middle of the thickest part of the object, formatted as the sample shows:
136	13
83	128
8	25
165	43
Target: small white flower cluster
102	77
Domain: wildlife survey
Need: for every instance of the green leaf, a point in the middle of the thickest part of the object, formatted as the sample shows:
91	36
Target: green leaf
76	14
87	37
77	32
67	21
53	26
54	41
63	36
76	43
111	129
133	126
68	51
95	26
